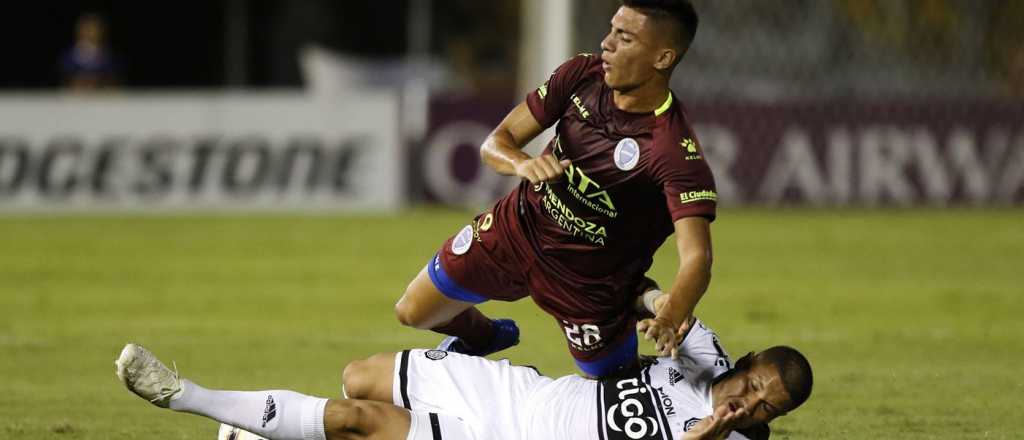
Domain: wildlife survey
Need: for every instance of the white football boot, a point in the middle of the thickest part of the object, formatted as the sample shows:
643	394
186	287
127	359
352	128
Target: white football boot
228	432
146	376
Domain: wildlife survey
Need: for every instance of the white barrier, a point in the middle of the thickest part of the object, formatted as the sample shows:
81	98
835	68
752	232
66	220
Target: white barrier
199	151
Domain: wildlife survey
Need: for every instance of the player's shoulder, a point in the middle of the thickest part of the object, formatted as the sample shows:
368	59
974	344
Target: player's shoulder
672	125
700	338
585	60
673	133
581	68
702	354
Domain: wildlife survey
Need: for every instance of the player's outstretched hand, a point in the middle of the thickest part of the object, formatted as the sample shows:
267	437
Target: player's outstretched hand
663	333
684	328
716	426
542	168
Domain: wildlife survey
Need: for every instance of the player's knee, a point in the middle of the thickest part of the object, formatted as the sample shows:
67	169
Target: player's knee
344	418
353	379
410	315
370	378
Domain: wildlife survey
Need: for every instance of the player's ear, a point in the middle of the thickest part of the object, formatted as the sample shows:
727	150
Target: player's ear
744	362
666	59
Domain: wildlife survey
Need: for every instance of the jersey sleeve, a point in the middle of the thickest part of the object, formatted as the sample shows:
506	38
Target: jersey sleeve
685	178
701	354
548	102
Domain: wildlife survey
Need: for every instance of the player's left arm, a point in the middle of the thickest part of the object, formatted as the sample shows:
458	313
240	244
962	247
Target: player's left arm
693	243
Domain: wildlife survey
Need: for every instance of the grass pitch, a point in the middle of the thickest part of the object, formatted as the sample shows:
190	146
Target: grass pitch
911	319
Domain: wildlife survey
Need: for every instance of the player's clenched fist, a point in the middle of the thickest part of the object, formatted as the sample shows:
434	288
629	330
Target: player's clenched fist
543	168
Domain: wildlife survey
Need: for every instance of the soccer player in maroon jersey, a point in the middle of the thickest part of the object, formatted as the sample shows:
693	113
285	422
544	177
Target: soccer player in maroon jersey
623	172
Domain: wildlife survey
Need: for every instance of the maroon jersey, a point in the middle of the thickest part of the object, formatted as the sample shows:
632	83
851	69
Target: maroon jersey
632	175
579	246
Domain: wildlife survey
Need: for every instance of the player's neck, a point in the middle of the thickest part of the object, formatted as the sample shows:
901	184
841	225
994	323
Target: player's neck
644	99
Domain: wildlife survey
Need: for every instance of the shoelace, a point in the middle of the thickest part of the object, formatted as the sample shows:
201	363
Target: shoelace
168	393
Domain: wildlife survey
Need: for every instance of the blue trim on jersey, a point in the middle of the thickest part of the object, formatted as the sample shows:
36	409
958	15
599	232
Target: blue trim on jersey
448	286
617	359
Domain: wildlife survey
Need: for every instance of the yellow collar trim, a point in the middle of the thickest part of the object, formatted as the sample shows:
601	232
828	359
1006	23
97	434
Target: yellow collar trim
664	106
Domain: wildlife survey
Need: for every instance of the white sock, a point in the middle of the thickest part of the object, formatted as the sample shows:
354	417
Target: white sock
274	414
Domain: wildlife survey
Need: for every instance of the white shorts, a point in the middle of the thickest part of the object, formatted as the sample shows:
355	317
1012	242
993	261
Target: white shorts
491	399
434	426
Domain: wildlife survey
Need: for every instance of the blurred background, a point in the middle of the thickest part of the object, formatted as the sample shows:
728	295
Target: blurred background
122	105
868	154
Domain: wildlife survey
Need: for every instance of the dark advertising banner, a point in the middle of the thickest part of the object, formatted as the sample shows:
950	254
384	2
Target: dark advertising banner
839	153
819	153
446	166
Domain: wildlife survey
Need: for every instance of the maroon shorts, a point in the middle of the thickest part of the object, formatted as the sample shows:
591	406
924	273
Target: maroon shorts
491	260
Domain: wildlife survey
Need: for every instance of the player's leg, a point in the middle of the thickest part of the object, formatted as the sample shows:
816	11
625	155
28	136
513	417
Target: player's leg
274	414
370	379
424	306
474	266
365	420
489	397
362	419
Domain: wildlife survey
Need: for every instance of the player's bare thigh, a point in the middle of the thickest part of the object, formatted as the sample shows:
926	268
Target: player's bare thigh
361	419
423	306
371	378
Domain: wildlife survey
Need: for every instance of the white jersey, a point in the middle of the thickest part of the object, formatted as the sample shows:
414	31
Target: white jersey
499	401
660	402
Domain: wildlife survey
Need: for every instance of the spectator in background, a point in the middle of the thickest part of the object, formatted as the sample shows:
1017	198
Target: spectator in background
89	64
480	42
1015	71
1005	46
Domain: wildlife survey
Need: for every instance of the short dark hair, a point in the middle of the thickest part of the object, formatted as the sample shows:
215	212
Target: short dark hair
794	369
680	11
792	366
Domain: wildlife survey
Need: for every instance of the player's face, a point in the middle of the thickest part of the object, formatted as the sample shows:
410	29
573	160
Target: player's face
629	51
760	391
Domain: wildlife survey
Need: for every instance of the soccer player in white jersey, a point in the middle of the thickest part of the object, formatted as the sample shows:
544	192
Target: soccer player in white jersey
437	395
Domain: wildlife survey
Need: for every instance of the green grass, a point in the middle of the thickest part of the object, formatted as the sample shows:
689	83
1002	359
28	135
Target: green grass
913	320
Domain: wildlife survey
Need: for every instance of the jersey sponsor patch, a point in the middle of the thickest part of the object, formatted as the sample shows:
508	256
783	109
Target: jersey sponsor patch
627	154
629	411
463	240
435	355
696	196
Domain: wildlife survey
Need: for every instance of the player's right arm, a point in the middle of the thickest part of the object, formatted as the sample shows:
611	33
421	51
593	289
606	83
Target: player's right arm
543	107
502	150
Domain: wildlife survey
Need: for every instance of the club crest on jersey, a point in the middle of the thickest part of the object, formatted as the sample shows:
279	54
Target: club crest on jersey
627	154
463	240
435	355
